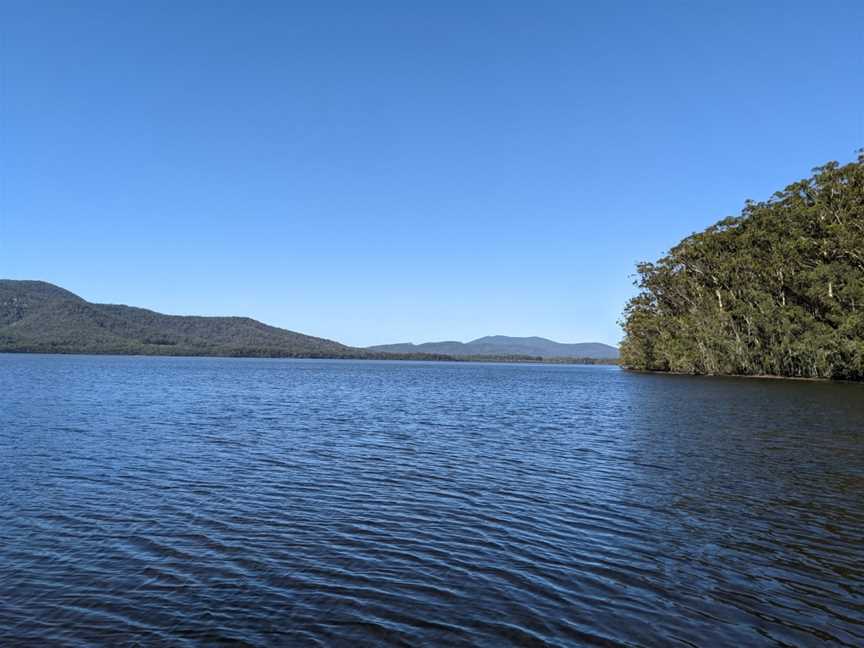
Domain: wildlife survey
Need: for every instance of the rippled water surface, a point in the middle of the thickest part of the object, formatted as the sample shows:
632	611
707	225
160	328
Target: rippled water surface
189	501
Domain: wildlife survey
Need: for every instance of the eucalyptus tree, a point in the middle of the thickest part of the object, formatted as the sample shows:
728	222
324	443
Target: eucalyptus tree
777	290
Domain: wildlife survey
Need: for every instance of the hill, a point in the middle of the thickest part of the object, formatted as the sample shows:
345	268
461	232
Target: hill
39	317
778	290
502	345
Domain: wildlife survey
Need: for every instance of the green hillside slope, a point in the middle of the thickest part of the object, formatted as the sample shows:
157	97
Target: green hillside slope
39	317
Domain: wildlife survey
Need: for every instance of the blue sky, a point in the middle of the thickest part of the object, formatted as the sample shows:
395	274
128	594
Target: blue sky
403	171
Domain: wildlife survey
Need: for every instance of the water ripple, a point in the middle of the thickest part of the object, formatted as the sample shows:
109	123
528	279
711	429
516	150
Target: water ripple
212	502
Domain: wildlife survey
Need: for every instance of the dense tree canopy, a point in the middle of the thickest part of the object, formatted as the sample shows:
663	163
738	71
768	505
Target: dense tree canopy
778	290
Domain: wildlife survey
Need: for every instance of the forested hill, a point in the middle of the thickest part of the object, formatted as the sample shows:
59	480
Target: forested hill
778	290
39	317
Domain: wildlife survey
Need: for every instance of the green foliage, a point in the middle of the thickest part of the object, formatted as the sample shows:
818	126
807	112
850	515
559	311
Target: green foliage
778	290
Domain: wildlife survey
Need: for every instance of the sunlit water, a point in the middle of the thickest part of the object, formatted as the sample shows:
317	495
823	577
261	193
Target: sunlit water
175	501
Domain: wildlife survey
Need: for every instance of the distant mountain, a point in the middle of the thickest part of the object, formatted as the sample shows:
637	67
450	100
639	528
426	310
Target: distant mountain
39	317
502	345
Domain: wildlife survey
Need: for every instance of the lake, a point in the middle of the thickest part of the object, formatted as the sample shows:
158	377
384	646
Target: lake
199	501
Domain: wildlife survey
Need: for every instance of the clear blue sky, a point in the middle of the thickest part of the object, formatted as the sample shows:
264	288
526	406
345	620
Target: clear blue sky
403	171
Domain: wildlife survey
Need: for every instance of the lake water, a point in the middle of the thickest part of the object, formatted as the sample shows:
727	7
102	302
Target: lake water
192	501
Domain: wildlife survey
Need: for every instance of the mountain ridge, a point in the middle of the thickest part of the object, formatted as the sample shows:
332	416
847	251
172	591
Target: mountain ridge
506	345
36	316
40	317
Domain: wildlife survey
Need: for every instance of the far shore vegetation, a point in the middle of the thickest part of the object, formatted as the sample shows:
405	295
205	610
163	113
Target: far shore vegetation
38	317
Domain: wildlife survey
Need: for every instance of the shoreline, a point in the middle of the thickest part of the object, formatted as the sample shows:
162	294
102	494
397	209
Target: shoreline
749	376
302	356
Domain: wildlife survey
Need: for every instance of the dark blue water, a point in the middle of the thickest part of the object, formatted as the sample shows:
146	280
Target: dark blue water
189	502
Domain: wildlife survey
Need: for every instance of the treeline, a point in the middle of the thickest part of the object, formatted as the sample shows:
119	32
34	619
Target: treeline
778	290
517	358
8	345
